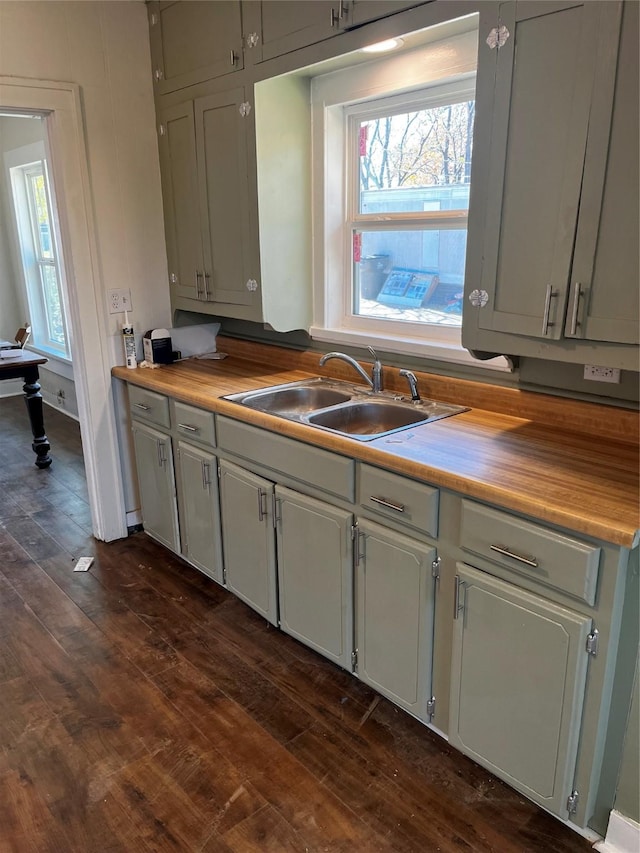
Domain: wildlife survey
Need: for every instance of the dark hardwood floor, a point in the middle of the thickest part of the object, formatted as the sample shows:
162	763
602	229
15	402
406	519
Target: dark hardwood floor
144	708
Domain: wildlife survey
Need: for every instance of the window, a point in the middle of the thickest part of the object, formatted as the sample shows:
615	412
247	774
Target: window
392	148
36	236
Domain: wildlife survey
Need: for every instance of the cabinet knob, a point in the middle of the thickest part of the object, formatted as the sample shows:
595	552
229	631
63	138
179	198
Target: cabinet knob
478	298
497	37
158	75
252	40
252	285
244	109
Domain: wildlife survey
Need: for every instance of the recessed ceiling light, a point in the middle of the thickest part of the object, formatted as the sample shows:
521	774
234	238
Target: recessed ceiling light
383	46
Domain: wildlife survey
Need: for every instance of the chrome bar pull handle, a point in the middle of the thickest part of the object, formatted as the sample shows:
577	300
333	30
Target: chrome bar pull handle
207	279
188	428
388	504
502	549
142	406
575	306
549	295
206	476
161	454
277	510
198	275
457	607
262	504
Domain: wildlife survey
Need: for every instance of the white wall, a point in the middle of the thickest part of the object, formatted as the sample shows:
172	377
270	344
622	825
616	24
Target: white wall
104	48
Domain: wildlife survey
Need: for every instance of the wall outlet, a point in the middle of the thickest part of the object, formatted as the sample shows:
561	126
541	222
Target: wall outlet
601	374
119	301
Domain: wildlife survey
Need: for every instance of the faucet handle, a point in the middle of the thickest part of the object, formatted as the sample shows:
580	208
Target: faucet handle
373	353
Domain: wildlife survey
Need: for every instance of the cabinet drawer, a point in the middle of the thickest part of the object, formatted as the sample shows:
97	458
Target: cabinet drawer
149	406
396	497
319	468
551	558
195	424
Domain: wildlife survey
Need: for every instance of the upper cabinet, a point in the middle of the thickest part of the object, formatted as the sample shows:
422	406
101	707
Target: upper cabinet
211	241
192	41
552	256
275	27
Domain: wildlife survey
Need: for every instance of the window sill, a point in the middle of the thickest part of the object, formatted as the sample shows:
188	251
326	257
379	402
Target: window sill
59	364
436	350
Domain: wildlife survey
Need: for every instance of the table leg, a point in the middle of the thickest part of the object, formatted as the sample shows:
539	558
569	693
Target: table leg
33	399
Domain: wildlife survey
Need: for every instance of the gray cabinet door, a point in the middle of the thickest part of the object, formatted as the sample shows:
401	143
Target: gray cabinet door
193	41
276	27
603	302
518	677
540	106
222	126
394	615
177	143
315	574
154	461
362	11
248	540
199	503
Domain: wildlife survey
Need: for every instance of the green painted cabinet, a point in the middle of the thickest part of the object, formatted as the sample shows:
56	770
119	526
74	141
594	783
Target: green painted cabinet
249	548
199	509
154	461
315	574
212	244
556	131
183	49
394	595
519	670
279	26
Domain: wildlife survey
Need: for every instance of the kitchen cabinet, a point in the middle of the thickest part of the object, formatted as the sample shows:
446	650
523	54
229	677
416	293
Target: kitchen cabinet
211	240
199	508
519	670
276	27
394	595
193	41
288	554
249	548
315	573
550	154
154	462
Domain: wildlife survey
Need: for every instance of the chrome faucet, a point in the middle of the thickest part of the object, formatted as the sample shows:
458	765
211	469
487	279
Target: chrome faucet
413	384
374	382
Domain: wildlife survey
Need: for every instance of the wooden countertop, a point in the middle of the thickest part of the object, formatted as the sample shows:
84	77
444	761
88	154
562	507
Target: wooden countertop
584	479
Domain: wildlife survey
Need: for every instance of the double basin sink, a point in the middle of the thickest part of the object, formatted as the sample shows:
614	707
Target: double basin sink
343	408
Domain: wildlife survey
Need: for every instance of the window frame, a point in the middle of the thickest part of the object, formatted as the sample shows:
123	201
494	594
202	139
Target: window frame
397	80
21	164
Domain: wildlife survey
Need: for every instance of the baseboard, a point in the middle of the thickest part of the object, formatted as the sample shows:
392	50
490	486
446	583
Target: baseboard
623	835
134	519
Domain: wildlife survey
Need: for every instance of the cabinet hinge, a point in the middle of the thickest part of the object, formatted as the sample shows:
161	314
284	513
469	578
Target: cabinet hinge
435	568
497	37
592	643
572	802
431	707
161	130
354	660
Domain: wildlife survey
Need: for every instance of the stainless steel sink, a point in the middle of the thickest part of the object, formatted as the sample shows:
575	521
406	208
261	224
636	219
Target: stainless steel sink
297	400
343	408
371	418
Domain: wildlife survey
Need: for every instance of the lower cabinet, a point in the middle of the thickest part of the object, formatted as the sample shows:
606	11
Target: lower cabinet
519	671
199	505
314	572
154	460
249	547
394	592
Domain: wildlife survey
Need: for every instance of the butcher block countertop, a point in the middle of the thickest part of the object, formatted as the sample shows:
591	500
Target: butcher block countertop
565	462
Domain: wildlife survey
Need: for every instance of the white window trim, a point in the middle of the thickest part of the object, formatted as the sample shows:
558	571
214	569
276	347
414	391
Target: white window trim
20	158
452	61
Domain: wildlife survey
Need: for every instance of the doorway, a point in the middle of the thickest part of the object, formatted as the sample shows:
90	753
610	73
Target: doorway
58	106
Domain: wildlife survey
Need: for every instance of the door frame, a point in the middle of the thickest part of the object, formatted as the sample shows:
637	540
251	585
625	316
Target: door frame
60	106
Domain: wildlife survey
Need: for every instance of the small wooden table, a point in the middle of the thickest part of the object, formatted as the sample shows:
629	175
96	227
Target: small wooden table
26	367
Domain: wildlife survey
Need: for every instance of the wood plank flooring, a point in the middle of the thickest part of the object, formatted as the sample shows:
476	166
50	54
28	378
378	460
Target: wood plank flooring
144	708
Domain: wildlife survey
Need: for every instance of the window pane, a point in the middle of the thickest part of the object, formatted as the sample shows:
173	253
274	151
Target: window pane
41	210
416	276
416	161
53	305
